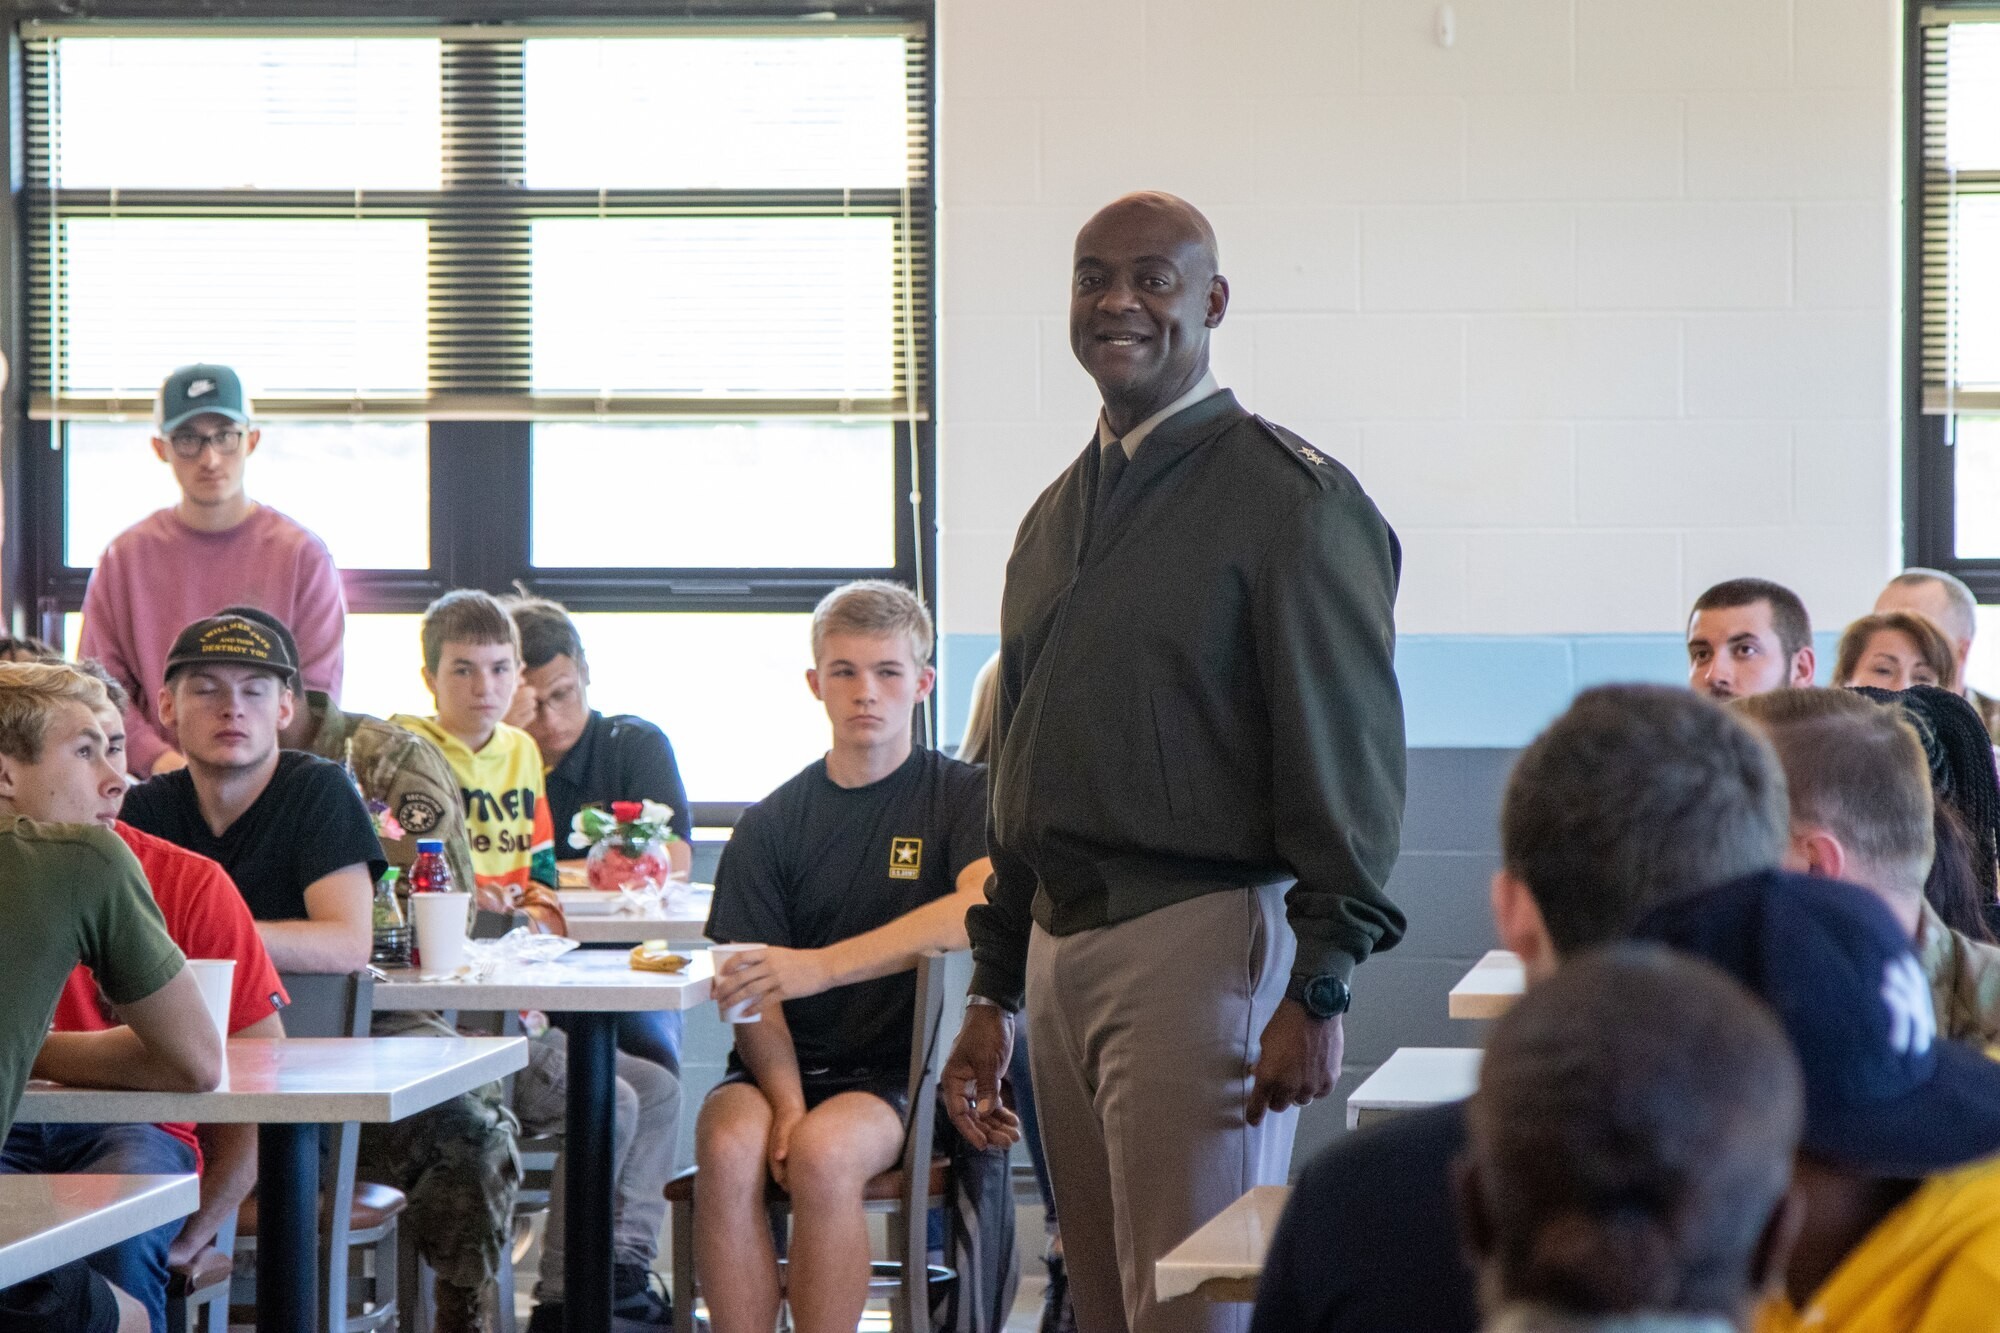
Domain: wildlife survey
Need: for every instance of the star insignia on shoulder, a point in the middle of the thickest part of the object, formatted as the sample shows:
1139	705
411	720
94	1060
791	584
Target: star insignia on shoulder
1312	455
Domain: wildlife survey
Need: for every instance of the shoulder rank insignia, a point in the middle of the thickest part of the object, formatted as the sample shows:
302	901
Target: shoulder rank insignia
1313	460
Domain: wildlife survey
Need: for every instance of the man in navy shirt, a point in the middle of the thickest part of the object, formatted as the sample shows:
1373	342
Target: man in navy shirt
846	873
591	759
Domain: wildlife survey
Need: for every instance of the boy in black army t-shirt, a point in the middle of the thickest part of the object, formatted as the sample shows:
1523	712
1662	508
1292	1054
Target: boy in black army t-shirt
847	872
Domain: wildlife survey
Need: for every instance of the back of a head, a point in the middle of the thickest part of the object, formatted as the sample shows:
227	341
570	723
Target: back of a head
1622	1164
27	648
1856	769
1635	795
977	747
875	608
1960	755
547	632
1789	620
466	615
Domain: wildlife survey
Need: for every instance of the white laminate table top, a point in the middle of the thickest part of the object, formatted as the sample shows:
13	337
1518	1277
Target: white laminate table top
578	982
300	1080
1489	989
46	1221
595	918
1416	1077
1228	1250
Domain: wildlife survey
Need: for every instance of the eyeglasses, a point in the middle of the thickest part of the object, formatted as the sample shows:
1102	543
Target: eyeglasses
188	444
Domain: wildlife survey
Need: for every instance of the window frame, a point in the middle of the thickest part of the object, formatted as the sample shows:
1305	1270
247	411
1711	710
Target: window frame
1929	476
478	468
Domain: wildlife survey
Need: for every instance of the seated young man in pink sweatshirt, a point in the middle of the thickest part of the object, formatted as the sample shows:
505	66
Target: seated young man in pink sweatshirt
214	548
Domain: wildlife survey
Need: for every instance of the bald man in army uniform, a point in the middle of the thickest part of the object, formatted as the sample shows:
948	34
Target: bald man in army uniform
1197	783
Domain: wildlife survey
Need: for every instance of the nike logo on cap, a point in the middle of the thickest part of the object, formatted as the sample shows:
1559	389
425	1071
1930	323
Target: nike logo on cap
201	388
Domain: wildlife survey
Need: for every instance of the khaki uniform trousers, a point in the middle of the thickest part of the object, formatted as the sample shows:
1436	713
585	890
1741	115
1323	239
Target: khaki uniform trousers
1142	1036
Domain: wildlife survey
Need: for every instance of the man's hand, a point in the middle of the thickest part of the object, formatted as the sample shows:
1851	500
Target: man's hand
970	1082
1297	1061
772	975
168	762
521	711
784	1120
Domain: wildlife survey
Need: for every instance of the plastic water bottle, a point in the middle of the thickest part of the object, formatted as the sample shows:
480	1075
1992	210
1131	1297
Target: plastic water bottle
392	925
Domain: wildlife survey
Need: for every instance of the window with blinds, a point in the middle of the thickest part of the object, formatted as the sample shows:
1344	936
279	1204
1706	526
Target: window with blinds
483	224
635	313
1953	165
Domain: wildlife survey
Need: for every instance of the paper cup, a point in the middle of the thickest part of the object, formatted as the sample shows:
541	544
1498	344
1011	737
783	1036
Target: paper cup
743	1011
217	979
441	928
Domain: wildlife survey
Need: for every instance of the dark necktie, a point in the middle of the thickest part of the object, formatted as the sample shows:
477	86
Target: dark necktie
1111	465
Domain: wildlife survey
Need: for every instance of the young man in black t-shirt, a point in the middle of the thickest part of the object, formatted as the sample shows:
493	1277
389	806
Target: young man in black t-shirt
288	827
847	873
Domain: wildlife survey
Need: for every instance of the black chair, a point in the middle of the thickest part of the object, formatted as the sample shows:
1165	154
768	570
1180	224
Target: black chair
906	1193
358	1221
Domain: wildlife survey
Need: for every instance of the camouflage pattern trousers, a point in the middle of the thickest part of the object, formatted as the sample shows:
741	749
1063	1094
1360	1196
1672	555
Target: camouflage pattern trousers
458	1166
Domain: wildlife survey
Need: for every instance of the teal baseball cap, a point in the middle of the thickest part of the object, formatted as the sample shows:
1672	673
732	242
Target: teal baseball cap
194	390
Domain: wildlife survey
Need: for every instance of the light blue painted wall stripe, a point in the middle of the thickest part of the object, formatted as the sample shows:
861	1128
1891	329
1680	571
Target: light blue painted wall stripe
1459	690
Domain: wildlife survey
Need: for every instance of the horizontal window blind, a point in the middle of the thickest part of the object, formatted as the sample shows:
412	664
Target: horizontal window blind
1960	209
727	221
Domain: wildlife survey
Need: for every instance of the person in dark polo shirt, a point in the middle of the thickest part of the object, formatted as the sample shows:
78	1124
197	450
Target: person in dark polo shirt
591	759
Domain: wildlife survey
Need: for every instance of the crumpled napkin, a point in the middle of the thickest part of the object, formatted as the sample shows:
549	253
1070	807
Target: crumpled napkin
488	960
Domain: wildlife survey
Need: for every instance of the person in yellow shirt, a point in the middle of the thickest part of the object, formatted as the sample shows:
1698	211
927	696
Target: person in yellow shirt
1899	1165
472	662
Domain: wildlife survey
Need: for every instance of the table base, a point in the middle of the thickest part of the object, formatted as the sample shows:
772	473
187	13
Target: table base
591	1097
287	1222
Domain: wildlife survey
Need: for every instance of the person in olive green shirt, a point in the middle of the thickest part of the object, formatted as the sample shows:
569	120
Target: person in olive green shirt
1862	811
73	893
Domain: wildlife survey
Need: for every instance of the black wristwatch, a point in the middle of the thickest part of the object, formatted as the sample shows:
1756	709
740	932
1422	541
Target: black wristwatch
1322	997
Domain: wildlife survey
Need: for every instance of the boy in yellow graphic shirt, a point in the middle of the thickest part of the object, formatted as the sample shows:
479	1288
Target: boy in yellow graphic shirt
1899	1167
472	660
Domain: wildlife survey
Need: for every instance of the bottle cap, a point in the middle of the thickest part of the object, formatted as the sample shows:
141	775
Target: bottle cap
427	846
392	874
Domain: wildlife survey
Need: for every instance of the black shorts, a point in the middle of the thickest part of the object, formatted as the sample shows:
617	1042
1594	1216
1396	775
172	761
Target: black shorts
72	1299
820	1084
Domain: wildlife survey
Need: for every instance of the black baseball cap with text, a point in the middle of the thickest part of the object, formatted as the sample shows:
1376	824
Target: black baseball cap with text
228	640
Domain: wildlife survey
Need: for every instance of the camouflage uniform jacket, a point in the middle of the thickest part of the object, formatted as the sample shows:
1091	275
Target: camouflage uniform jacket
414	782
1965	980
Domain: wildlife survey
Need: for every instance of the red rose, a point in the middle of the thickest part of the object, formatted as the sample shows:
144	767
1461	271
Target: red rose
625	812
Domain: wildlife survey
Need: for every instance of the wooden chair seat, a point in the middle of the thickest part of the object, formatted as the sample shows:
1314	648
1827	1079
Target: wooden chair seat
210	1268
885	1188
373	1206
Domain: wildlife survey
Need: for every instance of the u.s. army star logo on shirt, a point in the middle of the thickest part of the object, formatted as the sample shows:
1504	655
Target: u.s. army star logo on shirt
906	858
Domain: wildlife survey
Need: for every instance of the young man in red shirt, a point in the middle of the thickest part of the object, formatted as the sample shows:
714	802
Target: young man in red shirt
206	918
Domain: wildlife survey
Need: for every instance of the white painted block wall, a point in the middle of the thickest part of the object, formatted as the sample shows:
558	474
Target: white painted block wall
1601	302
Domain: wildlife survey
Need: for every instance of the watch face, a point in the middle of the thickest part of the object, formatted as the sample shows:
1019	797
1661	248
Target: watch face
1327	996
